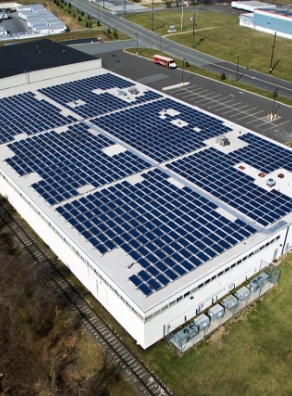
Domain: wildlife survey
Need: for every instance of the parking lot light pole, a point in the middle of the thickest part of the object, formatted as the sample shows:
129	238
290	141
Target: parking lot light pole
182	73
137	50
275	94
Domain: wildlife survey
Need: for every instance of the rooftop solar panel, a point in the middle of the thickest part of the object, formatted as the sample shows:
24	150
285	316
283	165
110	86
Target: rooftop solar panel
172	259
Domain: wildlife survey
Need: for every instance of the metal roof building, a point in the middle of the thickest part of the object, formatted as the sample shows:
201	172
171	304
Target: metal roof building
139	194
270	21
251	5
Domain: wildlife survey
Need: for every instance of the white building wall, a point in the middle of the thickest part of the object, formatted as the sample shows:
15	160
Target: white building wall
47	74
168	315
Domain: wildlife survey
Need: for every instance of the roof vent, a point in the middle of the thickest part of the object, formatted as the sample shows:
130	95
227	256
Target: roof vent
223	141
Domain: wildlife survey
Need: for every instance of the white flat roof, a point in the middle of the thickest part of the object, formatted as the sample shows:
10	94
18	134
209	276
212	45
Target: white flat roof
140	181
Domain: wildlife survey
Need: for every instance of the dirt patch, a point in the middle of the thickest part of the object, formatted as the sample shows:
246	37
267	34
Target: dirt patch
217	337
70	22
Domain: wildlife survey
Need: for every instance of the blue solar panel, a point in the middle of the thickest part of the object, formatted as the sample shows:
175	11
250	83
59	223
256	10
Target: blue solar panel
259	204
164	255
145	289
24	113
82	162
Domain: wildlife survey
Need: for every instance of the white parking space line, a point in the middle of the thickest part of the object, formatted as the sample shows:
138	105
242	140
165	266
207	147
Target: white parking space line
258	122
258	112
236	109
248	115
189	94
272	126
223	104
207	100
232	109
239	111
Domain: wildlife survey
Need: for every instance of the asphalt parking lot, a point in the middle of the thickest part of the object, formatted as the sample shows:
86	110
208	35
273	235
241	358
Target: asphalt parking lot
15	25
238	106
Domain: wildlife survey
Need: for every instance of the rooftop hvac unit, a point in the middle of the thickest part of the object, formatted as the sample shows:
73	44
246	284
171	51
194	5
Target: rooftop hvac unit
223	141
258	282
133	91
202	322
230	302
271	182
243	293
216	312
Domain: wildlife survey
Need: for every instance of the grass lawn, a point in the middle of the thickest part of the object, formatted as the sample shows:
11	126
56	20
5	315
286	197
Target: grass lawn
220	35
247	356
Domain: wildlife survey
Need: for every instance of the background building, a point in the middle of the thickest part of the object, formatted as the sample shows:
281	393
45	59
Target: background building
269	21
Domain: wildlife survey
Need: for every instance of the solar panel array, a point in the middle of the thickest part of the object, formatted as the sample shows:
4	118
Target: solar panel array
262	154
69	160
169	231
24	113
94	104
214	171
143	128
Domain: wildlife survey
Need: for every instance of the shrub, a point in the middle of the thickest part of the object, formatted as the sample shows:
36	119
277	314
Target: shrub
223	76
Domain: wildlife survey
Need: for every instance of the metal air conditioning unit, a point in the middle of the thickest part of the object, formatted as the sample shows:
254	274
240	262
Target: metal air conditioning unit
243	293
202	322
258	282
223	141
216	312
230	302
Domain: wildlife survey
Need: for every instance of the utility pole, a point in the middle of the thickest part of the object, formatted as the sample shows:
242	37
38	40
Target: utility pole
194	20
237	69
182	73
152	16
272	55
125	7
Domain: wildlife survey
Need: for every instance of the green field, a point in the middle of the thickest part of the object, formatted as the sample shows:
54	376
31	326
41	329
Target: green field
221	36
246	357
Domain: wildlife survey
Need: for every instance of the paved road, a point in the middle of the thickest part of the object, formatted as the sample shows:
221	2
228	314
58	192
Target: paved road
149	39
243	108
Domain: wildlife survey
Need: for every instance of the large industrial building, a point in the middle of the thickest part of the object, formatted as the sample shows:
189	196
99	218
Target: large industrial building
158	207
278	20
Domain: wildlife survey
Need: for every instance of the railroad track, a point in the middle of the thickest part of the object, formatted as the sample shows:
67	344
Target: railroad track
130	365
